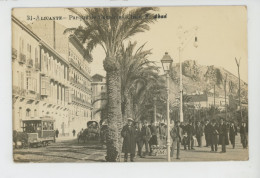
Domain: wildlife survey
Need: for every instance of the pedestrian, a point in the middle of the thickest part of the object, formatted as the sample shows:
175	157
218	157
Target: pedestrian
190	133
213	135
57	133
139	138
206	133
74	132
146	134
232	134
153	140
162	131
199	133
223	135
244	134
176	135
129	143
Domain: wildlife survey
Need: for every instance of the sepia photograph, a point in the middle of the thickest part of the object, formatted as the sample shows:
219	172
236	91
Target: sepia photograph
130	84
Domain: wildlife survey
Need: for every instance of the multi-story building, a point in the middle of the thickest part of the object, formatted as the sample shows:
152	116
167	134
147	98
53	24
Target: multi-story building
207	100
40	79
80	80
26	73
98	94
69	47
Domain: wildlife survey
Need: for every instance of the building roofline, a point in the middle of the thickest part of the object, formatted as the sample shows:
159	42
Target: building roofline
42	42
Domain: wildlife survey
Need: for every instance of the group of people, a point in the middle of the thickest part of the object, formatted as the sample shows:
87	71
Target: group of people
138	135
216	133
141	135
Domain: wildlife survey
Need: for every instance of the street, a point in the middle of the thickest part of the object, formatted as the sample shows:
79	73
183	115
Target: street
68	150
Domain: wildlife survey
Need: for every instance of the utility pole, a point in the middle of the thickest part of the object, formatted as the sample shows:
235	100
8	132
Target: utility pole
225	89
239	89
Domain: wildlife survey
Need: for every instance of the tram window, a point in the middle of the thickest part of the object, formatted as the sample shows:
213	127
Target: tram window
45	127
51	126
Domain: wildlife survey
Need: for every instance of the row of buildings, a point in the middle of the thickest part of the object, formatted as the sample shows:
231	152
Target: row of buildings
51	77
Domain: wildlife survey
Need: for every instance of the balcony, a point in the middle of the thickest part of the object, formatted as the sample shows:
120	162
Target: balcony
81	86
30	63
22	58
14	53
37	65
80	101
80	69
17	91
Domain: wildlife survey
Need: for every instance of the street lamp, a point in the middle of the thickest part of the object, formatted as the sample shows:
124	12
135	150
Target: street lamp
184	38
166	63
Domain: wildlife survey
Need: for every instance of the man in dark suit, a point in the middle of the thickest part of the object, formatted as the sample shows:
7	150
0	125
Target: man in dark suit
190	133
129	143
223	135
146	134
139	138
199	133
213	134
177	135
206	133
244	134
232	133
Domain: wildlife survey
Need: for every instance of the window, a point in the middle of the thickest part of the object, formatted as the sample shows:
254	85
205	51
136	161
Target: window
28	112
45	86
21	45
20	113
29	50
36	58
28	80
35	113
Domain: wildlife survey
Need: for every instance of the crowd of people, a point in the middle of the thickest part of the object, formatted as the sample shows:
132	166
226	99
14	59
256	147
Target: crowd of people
216	132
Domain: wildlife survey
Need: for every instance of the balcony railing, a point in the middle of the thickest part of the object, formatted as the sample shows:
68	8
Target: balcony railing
80	85
14	53
25	93
80	101
22	58
30	63
80	68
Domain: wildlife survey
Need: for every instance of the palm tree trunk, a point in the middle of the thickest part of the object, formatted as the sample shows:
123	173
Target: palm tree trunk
114	115
127	106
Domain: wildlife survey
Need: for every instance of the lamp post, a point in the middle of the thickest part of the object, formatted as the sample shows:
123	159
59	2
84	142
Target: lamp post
184	38
166	63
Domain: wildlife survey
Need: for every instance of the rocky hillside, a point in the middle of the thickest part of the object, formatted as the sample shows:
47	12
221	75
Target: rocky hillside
199	78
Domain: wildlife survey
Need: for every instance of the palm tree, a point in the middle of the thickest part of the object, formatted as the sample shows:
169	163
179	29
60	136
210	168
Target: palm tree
109	28
136	70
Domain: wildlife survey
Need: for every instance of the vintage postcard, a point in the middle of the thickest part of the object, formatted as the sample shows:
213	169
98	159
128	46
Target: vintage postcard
130	84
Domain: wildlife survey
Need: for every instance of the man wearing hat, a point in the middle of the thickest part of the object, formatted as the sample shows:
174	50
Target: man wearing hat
129	144
244	134
177	135
213	134
223	135
232	134
146	133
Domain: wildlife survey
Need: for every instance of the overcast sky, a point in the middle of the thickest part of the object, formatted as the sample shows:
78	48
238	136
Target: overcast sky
222	35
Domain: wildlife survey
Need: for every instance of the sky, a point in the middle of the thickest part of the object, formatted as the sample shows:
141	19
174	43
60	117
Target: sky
222	35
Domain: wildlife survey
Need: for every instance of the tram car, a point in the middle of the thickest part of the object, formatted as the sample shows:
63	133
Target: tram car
36	132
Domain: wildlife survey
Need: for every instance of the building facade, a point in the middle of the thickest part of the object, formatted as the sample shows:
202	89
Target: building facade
25	73
207	100
80	82
51	77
